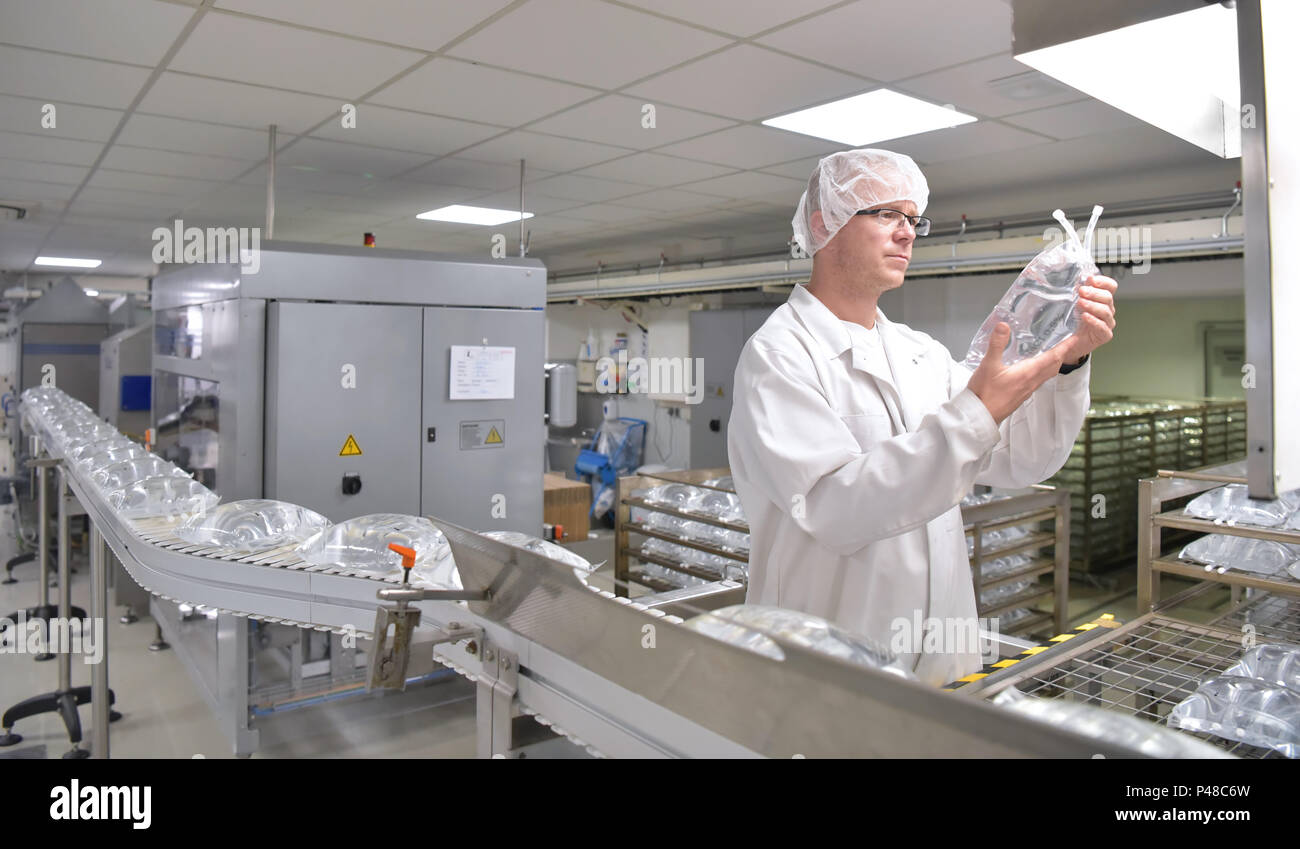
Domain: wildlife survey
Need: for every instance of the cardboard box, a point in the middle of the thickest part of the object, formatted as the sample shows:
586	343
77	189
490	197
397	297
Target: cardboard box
567	503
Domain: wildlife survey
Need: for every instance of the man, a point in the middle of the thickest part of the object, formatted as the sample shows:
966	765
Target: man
852	438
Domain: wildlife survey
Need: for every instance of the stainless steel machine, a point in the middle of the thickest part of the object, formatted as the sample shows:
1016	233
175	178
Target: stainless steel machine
351	382
356	381
59	336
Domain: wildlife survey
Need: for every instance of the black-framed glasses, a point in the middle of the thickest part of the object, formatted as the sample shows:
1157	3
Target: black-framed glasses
893	219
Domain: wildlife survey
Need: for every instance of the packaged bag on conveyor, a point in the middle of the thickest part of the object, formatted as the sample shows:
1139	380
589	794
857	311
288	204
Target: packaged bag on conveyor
1108	726
362	544
162	496
251	525
1040	305
752	626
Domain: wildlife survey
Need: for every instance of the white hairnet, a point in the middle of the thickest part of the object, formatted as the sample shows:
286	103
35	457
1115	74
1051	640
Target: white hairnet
851	180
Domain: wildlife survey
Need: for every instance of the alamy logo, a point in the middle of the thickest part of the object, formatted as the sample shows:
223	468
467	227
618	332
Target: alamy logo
181	244
56	635
75	802
653	376
946	635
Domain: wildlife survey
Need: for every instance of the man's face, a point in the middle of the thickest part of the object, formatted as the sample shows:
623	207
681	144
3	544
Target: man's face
874	254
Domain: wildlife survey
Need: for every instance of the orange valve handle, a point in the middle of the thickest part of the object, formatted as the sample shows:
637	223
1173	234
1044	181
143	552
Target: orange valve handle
408	559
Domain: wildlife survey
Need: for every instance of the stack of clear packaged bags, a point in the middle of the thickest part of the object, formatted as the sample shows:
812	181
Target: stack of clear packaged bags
752	626
1256	701
1232	505
1245	554
1000	594
1108	726
1040	305
713	503
252	525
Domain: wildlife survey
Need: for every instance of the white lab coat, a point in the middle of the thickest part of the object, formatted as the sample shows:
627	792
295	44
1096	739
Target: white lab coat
853	514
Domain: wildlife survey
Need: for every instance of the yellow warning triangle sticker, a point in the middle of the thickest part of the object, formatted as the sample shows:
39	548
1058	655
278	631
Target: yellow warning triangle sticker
493	438
350	448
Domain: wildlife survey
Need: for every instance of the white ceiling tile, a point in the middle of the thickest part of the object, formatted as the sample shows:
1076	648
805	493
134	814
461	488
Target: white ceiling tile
143	217
967	87
471	174
25	191
536	203
619	120
751	147
408	198
739	17
156	131
548	152
423	24
799	169
603	212
585	42
68	79
668	200
182	187
574	187
172	164
238	48
476	93
964	141
895	40
236	104
128	199
312	181
749	184
133	31
381	126
1083	118
21	169
38	148
71	121
347	158
654	169
725	84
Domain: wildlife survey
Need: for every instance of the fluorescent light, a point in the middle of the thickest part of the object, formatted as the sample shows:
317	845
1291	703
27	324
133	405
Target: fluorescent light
92	293
458	214
1179	73
68	262
872	117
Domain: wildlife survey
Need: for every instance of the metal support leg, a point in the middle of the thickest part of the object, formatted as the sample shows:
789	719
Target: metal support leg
99	699
496	694
43	543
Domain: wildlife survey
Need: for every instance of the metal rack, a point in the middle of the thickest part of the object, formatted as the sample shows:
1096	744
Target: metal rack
624	527
1035	509
1143	668
1154	520
1032	509
1121	443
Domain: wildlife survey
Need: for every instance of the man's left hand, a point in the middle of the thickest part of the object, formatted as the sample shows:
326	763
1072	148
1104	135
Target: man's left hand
1096	308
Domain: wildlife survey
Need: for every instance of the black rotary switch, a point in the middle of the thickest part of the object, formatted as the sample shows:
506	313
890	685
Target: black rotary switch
351	484
715	425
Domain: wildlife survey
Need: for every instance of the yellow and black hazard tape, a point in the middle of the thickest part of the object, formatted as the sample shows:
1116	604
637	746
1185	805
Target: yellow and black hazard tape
1106	620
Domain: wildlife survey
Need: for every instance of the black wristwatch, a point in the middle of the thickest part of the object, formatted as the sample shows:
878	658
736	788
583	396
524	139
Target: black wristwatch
1079	364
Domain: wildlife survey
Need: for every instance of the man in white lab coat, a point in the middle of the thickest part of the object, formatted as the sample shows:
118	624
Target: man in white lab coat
852	438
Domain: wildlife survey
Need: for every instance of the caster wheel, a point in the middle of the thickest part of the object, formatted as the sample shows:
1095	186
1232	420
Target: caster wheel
114	716
10	739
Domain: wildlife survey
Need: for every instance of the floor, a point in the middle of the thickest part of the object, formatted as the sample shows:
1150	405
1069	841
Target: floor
165	716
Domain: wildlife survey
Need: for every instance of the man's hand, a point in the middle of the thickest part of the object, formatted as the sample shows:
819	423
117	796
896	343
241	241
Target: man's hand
1096	319
1002	387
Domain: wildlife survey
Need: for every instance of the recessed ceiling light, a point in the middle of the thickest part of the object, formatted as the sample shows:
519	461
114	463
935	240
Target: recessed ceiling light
68	262
92	293
458	214
1178	72
872	117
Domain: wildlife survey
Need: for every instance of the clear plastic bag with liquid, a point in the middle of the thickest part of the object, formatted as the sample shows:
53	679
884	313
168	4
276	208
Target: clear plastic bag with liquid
1040	305
160	497
1250	711
252	525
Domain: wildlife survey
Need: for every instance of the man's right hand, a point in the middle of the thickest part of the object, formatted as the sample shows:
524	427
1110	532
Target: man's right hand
1003	387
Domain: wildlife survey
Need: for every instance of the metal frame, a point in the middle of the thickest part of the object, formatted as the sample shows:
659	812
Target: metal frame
1153	519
